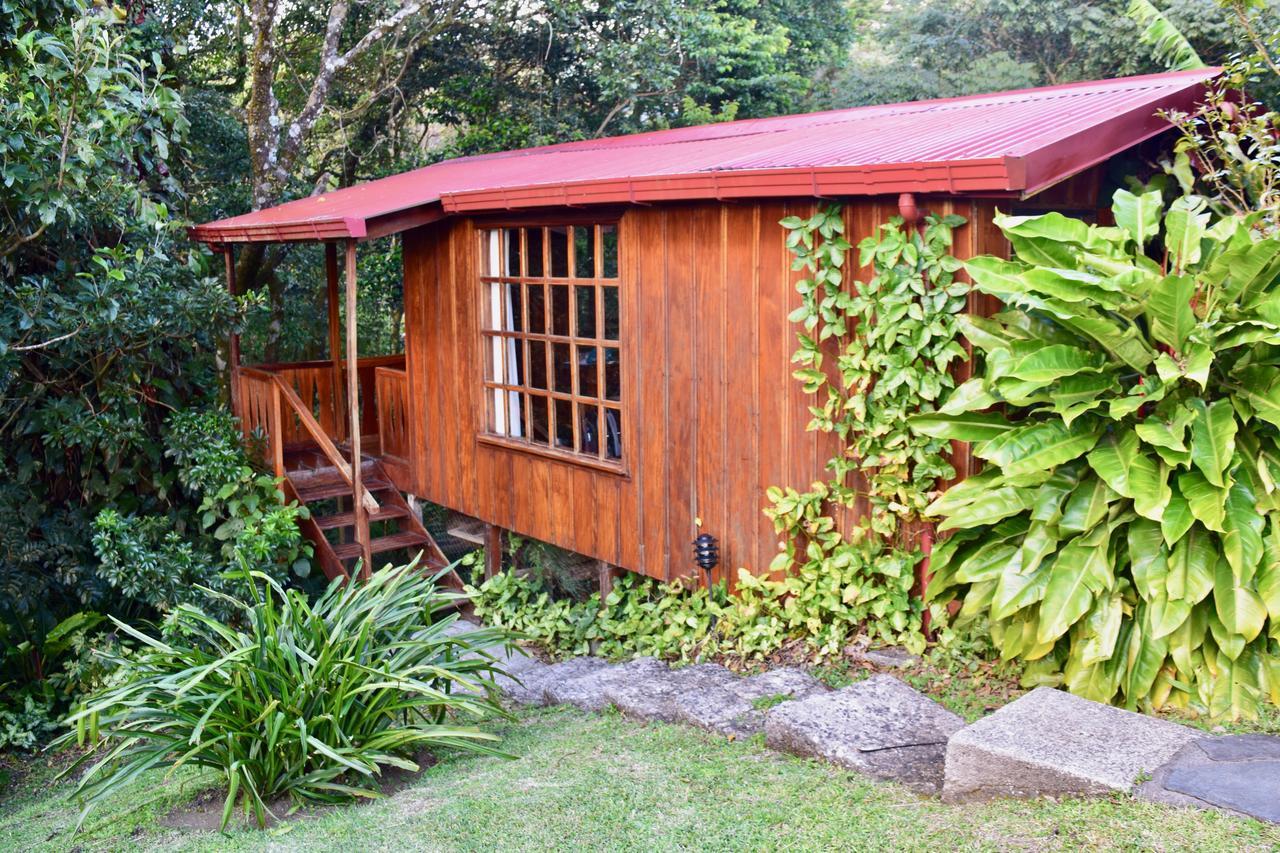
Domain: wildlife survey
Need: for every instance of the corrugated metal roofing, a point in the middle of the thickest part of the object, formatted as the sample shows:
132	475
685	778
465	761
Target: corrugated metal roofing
1018	142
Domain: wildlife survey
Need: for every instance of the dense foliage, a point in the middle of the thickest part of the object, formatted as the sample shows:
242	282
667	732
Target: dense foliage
1125	537
298	699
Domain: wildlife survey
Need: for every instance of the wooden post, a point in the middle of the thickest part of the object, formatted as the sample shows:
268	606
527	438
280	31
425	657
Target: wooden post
335	330
233	343
492	550
606	574
353	410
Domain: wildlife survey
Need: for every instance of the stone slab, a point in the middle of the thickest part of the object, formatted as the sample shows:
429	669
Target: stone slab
534	682
587	691
720	710
1236	774
653	696
880	727
784	681
1049	742
889	657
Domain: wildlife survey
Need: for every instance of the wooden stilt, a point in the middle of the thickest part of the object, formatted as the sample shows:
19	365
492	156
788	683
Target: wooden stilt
492	550
606	574
353	410
335	330
233	343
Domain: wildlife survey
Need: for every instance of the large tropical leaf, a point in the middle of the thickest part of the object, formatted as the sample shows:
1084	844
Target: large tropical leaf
1213	438
1039	446
1167	40
967	426
1138	214
1081	571
1169	307
1191	567
1117	460
1239	608
1184	227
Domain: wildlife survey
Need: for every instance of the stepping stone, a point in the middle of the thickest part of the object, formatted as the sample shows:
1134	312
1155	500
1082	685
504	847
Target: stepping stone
587	690
890	657
1050	742
535	681
653	696
880	727
1237	774
729	708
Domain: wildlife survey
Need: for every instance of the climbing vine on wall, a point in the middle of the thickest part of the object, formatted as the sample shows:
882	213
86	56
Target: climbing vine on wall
872	354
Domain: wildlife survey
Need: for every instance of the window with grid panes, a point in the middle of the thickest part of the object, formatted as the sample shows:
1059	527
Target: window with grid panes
552	372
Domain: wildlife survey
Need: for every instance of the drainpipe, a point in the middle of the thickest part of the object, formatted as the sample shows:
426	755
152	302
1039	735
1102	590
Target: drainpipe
907	209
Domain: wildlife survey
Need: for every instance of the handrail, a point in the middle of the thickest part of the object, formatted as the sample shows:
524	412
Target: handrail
326	445
368	361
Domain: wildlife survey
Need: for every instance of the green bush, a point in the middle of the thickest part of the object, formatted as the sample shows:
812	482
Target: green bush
1124	538
308	701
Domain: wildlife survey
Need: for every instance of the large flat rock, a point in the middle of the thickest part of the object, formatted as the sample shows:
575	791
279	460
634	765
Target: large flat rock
1050	742
789	681
653	695
534	681
1236	774
588	691
880	727
730	706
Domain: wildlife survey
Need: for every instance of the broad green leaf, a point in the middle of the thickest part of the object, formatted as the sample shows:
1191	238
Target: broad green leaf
1082	570
984	333
1184	226
1207	504
1239	608
1139	215
970	396
1045	363
1075	395
1119	461
1237	687
1268	577
1087	506
1213	438
1165	616
1041	541
1117	335
1229	642
995	276
969	426
1188	636
1191	567
1051	494
1169	307
1170	433
1242	542
1143	659
1016	590
987	562
997	504
1148	558
1265	400
1177	518
964	493
1038	446
1102	628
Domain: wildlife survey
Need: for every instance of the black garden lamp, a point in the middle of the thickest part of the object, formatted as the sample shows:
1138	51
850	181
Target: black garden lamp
706	551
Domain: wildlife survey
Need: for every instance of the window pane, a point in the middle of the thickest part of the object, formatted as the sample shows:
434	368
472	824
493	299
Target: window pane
515	414
492	309
560	309
513	361
515	309
533	246
612	434
537	364
537	308
612	374
609	245
610	312
588	380
559	236
512	266
564	424
493	358
490	252
586	311
539	431
562	367
589	429
584	251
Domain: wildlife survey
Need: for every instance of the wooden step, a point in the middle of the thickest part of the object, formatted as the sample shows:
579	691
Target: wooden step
385	512
403	539
329	484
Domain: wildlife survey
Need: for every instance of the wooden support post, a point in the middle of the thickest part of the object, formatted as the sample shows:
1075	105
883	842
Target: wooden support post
606	574
335	330
233	343
353	410
492	550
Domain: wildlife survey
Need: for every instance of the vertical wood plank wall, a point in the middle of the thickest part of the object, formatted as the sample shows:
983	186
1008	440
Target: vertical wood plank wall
712	415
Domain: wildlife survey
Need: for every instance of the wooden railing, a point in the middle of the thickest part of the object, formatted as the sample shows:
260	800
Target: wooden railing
392	393
323	393
272	409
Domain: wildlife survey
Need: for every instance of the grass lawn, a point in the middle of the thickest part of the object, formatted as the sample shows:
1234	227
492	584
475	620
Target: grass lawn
606	783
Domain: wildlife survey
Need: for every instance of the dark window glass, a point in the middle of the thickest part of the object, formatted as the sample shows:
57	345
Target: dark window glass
612	374
589	429
512	239
586	310
515	308
609	245
539	429
612	434
588	380
533	247
537	364
560	309
610	295
559	251
584	252
537	308
563	368
564	424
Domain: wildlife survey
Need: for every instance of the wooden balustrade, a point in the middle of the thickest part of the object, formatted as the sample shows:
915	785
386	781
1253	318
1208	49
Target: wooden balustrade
392	393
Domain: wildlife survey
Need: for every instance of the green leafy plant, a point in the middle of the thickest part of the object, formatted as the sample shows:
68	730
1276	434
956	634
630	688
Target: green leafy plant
298	700
1124	538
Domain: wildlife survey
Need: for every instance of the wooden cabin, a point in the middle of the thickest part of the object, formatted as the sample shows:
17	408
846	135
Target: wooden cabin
597	348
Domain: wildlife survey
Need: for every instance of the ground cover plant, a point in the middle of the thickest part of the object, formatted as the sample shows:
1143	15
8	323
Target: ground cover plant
308	701
1124	539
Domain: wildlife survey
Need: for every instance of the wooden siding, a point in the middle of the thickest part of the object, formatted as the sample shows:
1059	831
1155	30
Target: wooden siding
711	417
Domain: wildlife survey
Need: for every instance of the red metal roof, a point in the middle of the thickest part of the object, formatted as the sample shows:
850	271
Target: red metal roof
1018	142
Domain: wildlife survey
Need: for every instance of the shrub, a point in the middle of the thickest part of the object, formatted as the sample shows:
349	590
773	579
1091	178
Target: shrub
308	701
1125	537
